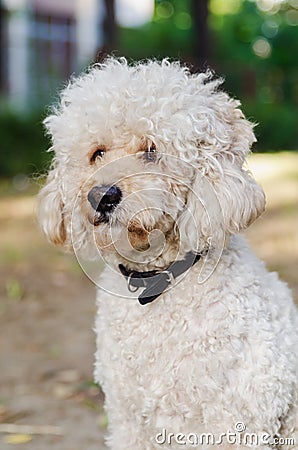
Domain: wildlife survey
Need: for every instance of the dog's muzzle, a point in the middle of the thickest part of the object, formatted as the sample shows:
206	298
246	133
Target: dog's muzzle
104	200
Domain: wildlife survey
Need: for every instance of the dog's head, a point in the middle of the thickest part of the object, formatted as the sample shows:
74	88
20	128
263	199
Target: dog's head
147	157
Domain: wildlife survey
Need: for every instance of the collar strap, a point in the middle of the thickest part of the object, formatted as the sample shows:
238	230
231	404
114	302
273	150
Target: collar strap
157	282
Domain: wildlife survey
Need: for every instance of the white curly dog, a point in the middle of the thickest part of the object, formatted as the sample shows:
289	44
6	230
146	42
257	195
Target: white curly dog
196	341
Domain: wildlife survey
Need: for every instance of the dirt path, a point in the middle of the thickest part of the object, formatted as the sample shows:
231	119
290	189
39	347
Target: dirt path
47	312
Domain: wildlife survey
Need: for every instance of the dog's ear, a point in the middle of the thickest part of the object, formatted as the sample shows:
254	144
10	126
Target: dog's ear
224	198
242	200
51	206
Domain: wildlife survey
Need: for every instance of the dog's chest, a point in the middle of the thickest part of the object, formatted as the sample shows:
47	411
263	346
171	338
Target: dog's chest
170	337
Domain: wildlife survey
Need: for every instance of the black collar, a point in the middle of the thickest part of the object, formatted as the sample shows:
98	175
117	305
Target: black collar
157	282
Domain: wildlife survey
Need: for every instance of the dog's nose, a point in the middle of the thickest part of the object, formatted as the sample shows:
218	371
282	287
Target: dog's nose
104	198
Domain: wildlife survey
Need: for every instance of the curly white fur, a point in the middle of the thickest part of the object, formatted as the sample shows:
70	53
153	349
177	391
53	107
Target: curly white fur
203	356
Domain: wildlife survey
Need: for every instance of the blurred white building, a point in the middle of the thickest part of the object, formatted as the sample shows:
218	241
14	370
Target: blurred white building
43	42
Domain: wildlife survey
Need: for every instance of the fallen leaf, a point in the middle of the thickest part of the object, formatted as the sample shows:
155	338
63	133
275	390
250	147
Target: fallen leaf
17	439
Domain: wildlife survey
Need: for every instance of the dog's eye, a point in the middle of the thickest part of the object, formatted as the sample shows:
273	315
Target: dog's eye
97	154
150	153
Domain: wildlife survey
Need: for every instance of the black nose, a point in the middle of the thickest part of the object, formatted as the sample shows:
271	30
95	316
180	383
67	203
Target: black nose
104	198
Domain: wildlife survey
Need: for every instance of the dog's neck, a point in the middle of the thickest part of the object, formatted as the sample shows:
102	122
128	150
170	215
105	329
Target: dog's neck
156	282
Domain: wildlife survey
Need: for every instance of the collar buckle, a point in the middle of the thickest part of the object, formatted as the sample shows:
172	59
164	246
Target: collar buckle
170	275
130	287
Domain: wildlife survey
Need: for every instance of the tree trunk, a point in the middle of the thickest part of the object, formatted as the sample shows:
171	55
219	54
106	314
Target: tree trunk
201	34
3	48
109	26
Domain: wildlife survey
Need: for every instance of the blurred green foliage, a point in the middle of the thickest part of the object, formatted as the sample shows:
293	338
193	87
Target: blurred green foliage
23	144
169	34
253	45
254	48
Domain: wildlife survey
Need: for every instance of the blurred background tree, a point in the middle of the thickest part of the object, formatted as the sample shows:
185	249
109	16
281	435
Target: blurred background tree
252	44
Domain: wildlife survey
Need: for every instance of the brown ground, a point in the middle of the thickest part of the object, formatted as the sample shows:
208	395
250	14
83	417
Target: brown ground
47	310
